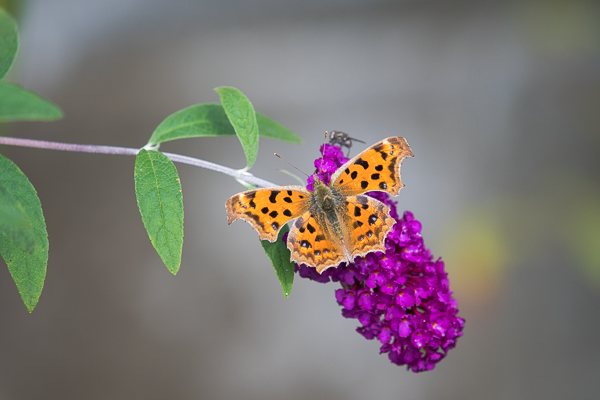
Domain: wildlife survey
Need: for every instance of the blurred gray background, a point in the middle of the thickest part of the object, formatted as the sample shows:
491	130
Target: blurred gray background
500	102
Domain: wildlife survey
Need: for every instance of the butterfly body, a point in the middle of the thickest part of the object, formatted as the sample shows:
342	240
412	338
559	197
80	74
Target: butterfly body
333	223
326	202
327	206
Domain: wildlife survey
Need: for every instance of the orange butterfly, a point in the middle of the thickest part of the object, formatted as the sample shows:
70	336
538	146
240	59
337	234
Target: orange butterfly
334	223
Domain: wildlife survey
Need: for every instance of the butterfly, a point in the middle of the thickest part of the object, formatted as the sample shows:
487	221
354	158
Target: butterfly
334	223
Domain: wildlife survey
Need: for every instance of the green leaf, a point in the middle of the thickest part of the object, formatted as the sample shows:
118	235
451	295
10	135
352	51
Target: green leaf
9	42
242	116
209	120
18	104
195	121
160	201
280	255
23	235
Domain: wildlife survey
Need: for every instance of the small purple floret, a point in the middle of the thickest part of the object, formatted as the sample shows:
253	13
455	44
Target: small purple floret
401	297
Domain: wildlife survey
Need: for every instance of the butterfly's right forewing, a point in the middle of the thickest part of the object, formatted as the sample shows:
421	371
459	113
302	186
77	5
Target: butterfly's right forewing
375	169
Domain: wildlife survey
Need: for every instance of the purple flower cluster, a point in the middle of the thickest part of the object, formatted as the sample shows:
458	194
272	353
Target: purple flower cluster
401	297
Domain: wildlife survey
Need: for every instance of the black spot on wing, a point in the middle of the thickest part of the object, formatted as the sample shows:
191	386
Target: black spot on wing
310	228
357	224
318	238
354	174
356	211
382	185
362	163
273	214
364	184
273	196
374	176
287	199
264	210
379	168
287	213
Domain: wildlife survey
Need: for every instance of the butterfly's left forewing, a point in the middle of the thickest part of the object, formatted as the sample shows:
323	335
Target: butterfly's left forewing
267	210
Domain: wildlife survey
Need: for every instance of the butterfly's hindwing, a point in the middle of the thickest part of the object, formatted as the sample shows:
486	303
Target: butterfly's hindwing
375	169
267	210
369	222
313	245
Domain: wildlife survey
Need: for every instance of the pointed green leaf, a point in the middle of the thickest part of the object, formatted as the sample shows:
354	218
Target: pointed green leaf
18	104
194	121
279	255
209	120
23	236
240	113
9	42
160	201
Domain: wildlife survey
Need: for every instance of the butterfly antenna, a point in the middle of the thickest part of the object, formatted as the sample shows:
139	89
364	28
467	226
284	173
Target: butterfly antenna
291	165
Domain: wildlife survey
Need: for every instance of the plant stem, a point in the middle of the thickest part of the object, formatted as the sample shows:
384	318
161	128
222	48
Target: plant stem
240	175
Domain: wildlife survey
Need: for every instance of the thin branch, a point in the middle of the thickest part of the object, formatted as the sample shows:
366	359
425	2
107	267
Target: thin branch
240	175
